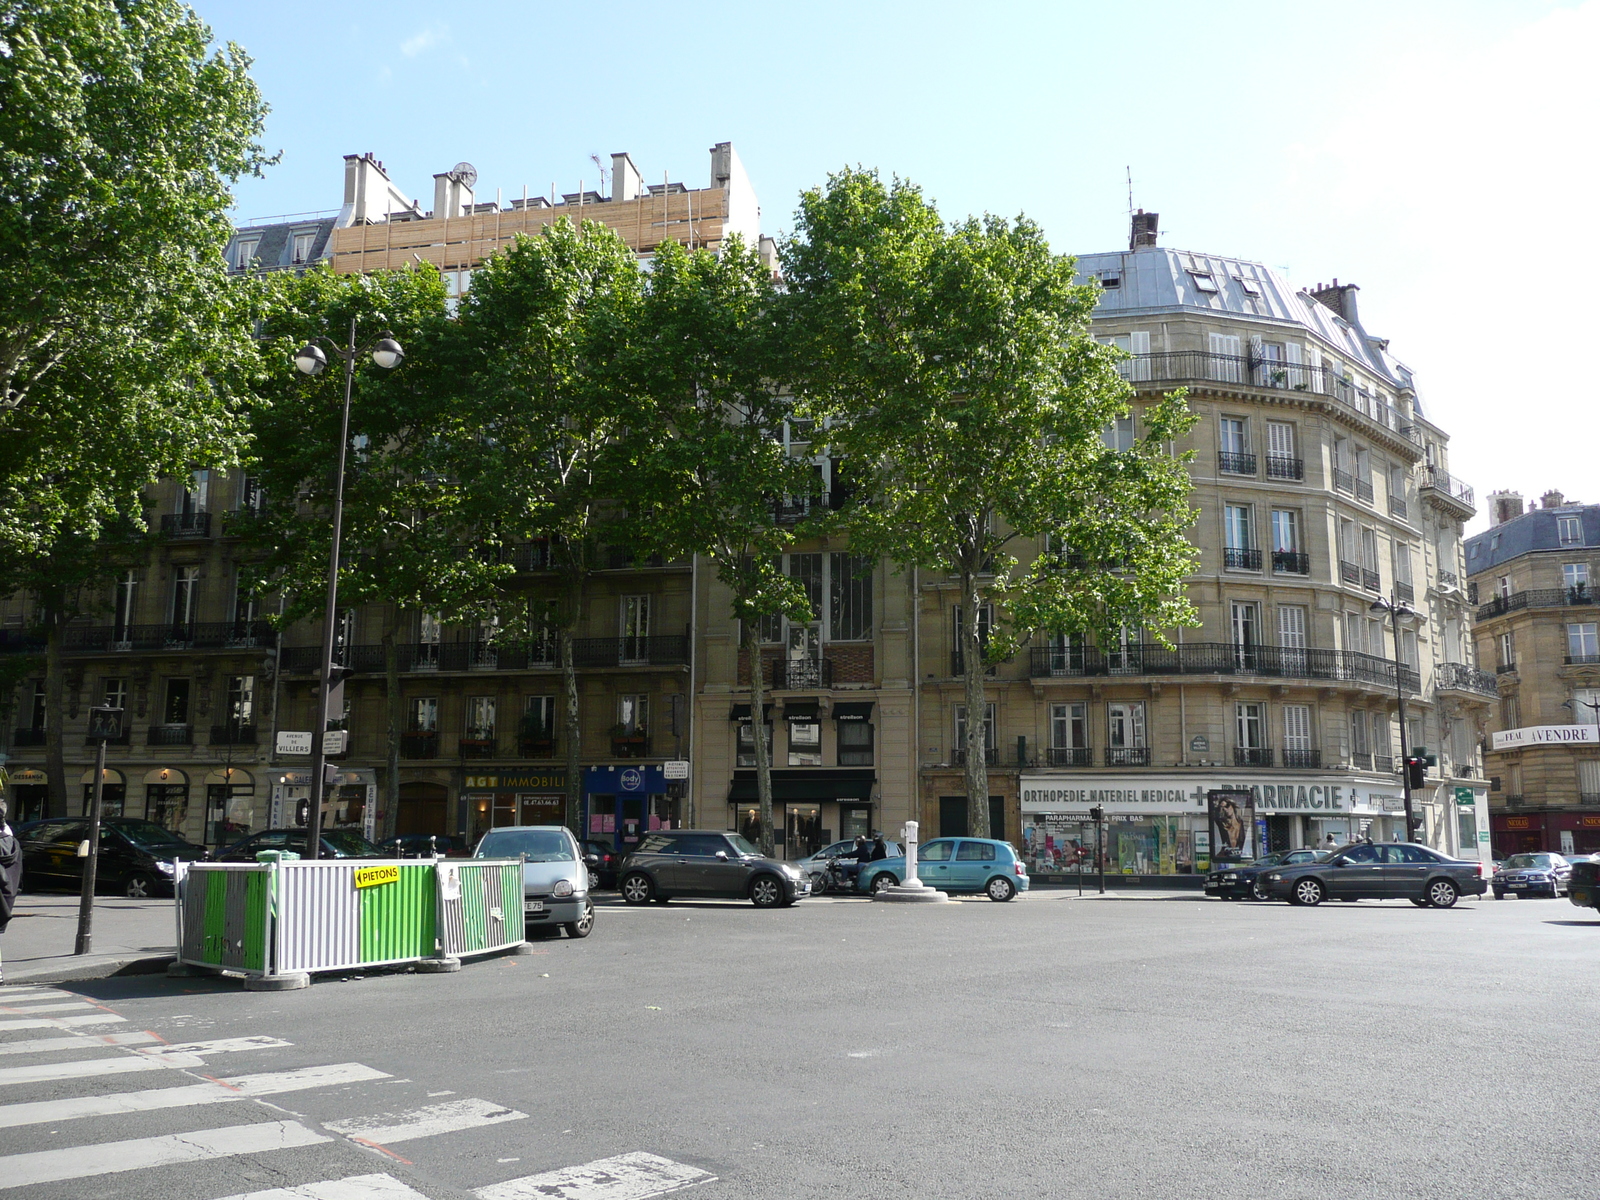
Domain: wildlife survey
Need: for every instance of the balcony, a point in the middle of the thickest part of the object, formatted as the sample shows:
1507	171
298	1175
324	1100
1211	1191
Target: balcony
958	665
27	737
631	745
1582	660
1252	756
1509	668
1383	764
1460	677
1281	466
1219	658
1236	559
1127	756
799	674
1069	756
1515	800
1405	592
1290	562
237	522
1398	507
419	743
171	735
1364	490
475	747
1344	482
1437	485
1370	580
536	746
186	525
1303	760
1236	464
587	653
1349	573
1361	760
791	510
233	735
125	740
174	635
530	556
1537	598
991	757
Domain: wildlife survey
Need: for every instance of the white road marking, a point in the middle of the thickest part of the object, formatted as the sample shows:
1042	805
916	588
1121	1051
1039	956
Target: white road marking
81	1162
356	1187
55	1006
218	1046
626	1177
43	1072
239	1087
385	1129
63	1022
76	1042
7	995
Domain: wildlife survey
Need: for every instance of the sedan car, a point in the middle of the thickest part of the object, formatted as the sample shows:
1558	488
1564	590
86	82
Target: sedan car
1243	881
1380	871
602	865
336	843
694	862
555	878
136	856
955	865
1539	874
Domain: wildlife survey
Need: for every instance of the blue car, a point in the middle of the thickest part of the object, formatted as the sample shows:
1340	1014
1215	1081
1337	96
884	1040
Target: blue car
954	865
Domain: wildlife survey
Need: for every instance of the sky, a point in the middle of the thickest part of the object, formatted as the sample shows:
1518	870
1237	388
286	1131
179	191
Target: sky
1442	156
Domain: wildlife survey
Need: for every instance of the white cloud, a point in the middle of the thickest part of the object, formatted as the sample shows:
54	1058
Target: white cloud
424	40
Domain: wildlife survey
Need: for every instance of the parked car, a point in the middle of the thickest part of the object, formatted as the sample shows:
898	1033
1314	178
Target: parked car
1583	889
955	865
136	856
1380	871
1537	874
425	845
555	877
1242	881
696	862
602	871
336	843
845	848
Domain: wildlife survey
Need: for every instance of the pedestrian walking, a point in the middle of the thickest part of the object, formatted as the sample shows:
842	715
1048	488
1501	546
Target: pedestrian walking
10	873
1329	844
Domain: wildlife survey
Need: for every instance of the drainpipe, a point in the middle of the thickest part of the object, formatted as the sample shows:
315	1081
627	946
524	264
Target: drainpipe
689	700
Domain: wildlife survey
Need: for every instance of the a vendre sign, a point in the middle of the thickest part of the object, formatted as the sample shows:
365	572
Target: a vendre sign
1547	735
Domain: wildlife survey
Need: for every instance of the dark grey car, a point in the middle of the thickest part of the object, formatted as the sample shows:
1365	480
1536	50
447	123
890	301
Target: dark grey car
694	862
1380	871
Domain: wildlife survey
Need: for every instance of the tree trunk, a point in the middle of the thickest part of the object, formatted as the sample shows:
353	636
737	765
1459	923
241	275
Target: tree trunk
750	633
55	717
573	724
972	672
395	706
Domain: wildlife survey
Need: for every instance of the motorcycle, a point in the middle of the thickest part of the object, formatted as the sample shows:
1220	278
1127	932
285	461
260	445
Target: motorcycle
835	875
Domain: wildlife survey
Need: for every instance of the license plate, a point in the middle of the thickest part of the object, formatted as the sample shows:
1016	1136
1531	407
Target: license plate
533	906
1515	886
1579	897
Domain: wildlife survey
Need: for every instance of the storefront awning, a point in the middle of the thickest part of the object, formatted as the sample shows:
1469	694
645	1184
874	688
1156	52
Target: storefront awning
854	711
814	786
741	712
800	710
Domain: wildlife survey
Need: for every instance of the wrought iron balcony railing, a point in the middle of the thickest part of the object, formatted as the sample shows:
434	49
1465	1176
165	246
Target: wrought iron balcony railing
1537	598
1127	756
172	635
1461	677
1302	759
1405	592
171	735
1442	482
233	735
587	653
991	757
419	743
1219	658
630	746
475	747
1280	466
1343	481
1252	756
1237	559
27	737
1364	489
800	673
1291	562
1350	573
186	525
1234	463
1069	756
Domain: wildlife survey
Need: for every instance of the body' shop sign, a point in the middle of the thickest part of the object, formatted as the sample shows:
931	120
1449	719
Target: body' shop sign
1547	735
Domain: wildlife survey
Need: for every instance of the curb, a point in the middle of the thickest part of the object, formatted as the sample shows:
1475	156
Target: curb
103	969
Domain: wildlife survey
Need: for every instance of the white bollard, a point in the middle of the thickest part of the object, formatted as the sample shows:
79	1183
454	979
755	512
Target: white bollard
913	888
908	835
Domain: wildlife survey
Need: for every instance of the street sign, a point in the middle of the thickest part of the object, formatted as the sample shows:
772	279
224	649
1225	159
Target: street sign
334	741
291	742
105	724
675	768
1465	798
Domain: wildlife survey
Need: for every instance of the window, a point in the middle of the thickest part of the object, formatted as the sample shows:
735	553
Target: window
1296	729
1369	549
244	250
1575	576
1582	643
747	743
176	709
1502	586
1125	725
1408	648
1119	434
302	246
481	718
1570	530
1250	726
539	718
1355	633
197	494
36	722
635	623
850	598
1292	637
185	590
975	852
1508	649
1205	281
1137	346
1124	654
241	711
854	743
1402	564
1069	726
1235	436
1285	530
1280	439
1236	527
1585	706
1250	287
1382	740
245	600
423	716
985	623
126	604
805	742
936	852
806	570
1225	363
1589	779
633	714
1358	735
251	496
1509	713
115	692
1110	280
1244	623
988	728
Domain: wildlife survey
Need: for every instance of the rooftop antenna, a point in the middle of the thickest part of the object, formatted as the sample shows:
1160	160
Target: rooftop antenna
599	166
1129	170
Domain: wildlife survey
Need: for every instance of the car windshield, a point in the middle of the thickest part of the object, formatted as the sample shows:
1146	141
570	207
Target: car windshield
1521	862
1270	860
348	845
742	846
147	834
540	845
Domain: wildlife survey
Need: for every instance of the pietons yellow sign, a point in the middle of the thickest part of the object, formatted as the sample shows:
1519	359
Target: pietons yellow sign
377	876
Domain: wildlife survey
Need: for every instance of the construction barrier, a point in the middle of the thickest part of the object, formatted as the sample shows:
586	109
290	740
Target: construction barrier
264	920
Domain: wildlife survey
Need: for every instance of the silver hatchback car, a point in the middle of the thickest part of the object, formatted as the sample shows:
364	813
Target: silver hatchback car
555	878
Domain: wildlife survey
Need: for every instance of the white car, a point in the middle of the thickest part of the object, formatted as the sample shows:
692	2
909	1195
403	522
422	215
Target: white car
555	878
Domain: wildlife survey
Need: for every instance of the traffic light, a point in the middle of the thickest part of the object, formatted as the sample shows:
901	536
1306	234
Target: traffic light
1097	814
1416	771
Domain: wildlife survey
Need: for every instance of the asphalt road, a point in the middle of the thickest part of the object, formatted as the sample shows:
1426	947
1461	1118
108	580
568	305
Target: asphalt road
1120	1047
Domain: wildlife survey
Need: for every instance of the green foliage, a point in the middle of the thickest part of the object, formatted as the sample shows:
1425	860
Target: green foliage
123	344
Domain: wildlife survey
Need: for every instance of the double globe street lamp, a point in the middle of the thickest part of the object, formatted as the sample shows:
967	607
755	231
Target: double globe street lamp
311	360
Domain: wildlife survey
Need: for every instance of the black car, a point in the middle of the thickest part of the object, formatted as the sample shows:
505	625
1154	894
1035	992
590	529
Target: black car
603	866
425	845
336	843
1242	881
136	856
1537	874
1380	871
693	862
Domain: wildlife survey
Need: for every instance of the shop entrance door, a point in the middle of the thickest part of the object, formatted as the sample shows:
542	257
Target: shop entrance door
633	821
953	817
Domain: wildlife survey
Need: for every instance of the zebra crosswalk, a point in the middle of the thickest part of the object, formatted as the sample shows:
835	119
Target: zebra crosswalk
68	1116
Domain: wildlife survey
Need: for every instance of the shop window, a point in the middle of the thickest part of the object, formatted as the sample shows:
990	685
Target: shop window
854	743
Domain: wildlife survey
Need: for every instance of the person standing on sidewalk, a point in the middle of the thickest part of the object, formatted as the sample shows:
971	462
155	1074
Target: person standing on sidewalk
10	872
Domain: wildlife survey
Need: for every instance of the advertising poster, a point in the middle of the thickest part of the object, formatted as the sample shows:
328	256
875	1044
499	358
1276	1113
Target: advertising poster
1233	823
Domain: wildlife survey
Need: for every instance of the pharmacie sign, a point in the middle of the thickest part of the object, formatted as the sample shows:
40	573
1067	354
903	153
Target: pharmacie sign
1287	794
1547	735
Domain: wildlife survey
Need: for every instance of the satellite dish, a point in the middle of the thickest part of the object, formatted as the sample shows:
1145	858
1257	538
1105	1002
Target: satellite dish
465	172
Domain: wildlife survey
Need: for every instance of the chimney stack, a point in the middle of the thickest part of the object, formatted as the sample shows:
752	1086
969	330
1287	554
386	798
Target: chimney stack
1503	507
626	181
1339	297
1552	499
1143	232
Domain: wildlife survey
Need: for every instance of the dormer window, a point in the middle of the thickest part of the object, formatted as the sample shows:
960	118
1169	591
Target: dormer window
1250	286
244	252
1204	281
303	242
1110	280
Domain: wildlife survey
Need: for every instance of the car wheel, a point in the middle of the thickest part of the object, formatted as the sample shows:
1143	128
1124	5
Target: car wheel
594	880
1442	893
139	887
637	888
1258	890
766	891
1309	892
1000	888
883	881
584	925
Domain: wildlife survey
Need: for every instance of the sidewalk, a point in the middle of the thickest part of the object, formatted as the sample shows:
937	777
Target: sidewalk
130	936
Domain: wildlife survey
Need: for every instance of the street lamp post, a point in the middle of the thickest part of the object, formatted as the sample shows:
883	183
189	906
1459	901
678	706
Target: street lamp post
310	360
1397	609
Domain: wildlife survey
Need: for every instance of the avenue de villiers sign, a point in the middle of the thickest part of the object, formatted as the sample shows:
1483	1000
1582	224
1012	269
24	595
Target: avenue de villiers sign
1078	795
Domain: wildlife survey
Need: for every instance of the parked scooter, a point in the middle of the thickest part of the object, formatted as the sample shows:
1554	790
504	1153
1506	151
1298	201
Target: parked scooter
835	875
